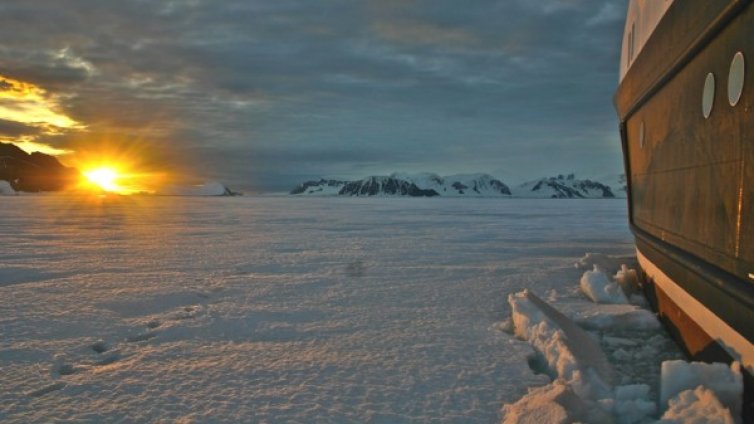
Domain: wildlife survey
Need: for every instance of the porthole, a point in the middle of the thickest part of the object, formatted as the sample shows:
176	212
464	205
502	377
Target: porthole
642	137
736	79
708	96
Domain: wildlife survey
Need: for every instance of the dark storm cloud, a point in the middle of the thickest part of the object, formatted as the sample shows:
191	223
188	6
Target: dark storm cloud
16	129
262	94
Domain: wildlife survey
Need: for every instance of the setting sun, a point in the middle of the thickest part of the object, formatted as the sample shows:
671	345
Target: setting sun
104	178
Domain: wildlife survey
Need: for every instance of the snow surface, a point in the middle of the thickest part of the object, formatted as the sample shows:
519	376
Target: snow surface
284	309
213	188
305	310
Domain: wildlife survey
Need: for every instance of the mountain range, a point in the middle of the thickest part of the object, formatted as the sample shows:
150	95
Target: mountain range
464	185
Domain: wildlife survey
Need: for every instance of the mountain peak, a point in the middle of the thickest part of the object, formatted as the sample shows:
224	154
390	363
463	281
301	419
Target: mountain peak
460	185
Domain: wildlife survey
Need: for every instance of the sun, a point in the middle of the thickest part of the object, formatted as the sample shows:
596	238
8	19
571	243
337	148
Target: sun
105	178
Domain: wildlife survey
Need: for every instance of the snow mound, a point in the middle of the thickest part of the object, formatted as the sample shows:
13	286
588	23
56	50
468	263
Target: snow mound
698	406
6	189
599	289
726	382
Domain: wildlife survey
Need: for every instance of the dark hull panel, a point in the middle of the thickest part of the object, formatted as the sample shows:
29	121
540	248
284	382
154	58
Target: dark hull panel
691	178
692	181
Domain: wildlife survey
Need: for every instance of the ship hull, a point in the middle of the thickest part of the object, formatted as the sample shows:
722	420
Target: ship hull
690	177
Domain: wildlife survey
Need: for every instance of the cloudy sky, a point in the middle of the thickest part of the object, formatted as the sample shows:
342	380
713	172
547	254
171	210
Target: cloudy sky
263	94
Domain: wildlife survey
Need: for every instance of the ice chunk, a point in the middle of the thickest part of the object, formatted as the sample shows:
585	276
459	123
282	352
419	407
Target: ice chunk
620	317
726	382
599	289
600	260
628	280
571	353
698	406
555	403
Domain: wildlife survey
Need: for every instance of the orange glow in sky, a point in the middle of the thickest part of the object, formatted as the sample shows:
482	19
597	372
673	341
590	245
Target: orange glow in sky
114	164
117	166
117	178
29	104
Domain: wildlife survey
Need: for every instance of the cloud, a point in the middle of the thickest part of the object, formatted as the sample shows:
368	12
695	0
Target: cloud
609	13
13	129
262	93
26	104
413	32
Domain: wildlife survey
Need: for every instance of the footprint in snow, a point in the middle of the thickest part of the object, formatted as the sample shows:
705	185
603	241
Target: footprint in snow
66	369
109	358
188	312
100	346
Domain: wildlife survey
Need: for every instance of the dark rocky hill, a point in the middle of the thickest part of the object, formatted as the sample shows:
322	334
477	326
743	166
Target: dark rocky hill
33	172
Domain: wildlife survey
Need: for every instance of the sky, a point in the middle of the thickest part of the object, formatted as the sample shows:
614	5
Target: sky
263	94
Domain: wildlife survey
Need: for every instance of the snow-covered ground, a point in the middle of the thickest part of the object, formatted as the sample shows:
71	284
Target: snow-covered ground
283	309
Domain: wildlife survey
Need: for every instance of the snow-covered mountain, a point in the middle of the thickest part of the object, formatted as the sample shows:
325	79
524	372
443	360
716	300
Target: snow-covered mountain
564	187
322	187
463	185
617	182
413	185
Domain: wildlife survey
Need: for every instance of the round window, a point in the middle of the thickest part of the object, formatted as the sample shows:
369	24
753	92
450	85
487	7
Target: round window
736	79
708	96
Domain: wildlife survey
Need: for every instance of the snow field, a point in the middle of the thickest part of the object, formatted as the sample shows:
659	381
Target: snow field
270	309
254	309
